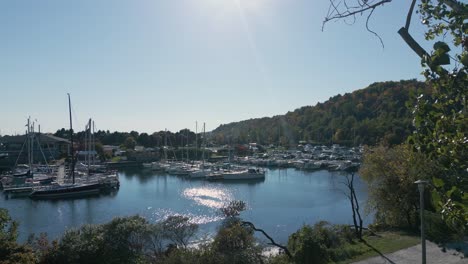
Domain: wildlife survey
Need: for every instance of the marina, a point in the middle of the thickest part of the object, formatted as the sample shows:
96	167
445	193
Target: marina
246	131
289	196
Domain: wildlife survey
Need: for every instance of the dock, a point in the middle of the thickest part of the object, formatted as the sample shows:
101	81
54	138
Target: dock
18	189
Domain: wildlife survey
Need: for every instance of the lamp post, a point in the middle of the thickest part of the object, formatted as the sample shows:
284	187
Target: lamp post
421	184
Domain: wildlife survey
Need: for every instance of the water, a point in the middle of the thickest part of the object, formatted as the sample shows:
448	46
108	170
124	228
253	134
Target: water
280	204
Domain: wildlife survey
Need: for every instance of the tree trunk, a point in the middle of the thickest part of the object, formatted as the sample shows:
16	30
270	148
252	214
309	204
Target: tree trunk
357	219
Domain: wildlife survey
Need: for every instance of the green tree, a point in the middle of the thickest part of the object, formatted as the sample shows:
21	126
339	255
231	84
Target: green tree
234	242
122	240
179	230
10	251
129	143
390	174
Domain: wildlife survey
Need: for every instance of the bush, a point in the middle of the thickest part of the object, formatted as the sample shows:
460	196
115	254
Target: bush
437	229
322	243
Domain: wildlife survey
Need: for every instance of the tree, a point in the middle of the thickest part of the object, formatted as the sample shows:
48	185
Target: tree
440	119
129	143
10	251
390	174
234	242
233	210
123	240
179	230
357	219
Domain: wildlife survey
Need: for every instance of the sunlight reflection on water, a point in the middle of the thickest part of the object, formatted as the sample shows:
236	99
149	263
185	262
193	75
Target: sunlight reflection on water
161	214
212	197
208	201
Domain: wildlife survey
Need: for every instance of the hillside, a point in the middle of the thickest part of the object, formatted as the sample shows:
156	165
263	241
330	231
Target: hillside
365	116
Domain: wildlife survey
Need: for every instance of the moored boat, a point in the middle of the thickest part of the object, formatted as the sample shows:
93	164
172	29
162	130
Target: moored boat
65	191
247	174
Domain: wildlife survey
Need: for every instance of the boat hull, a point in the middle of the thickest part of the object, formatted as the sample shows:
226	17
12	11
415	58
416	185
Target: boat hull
66	192
243	176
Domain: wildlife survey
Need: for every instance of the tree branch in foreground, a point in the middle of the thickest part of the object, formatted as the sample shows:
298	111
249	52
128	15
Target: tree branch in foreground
272	242
351	10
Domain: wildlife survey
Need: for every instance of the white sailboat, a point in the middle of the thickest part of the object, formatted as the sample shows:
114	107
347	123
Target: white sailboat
202	171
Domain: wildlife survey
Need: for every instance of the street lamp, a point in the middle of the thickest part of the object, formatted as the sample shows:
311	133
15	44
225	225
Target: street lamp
421	184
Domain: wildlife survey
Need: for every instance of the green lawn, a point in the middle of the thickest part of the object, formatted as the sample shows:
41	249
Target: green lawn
116	159
385	242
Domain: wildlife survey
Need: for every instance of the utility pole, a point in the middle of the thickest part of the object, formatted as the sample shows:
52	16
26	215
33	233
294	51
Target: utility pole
421	184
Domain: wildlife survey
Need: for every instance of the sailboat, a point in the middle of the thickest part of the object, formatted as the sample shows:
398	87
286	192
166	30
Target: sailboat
202	171
67	190
25	176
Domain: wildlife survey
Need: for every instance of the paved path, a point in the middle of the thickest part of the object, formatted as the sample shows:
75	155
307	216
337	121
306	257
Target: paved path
412	255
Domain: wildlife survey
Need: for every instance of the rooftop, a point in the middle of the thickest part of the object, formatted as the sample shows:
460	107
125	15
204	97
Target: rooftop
43	138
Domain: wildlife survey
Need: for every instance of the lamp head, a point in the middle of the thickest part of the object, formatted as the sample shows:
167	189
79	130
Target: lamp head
421	184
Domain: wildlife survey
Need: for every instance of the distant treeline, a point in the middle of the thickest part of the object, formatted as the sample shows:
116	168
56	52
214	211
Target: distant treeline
367	116
378	113
156	139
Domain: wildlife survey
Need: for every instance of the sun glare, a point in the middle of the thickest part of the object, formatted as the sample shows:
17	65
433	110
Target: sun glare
231	5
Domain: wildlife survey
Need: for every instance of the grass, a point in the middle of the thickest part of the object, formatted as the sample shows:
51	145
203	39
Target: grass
384	243
116	159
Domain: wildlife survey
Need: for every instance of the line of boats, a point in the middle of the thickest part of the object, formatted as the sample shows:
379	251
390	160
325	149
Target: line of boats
204	170
52	182
334	158
207	171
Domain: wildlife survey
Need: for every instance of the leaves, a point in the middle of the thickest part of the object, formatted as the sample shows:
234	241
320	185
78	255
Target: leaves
441	47
437	182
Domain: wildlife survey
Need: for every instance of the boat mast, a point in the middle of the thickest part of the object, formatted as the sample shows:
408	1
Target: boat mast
196	140
29	144
86	146
37	137
165	144
187	134
93	145
71	141
230	146
88	150
204	146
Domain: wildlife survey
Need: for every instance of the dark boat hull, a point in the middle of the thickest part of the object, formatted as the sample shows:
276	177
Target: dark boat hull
66	192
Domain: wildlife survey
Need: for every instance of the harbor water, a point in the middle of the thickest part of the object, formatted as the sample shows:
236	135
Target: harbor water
280	204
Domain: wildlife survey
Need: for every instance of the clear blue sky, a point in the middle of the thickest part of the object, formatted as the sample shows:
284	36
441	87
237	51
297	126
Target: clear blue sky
150	65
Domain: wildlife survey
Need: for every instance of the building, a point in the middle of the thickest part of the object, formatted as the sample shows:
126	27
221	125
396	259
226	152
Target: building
14	149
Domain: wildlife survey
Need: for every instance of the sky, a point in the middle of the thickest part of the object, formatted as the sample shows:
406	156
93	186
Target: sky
149	65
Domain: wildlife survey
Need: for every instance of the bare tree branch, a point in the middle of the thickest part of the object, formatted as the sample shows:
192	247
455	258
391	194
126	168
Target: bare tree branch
373	32
410	13
336	12
412	43
272	242
361	8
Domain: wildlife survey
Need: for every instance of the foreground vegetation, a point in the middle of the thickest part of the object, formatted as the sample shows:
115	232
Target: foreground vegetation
135	240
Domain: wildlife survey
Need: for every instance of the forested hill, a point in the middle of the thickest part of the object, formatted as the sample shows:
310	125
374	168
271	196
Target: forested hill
365	116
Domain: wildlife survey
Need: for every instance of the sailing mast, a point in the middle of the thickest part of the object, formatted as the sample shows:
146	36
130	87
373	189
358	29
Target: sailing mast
187	135
196	140
204	146
93	145
88	149
71	141
29	145
165	144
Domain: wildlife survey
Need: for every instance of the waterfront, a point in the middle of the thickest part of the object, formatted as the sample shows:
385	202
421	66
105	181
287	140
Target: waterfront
280	204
